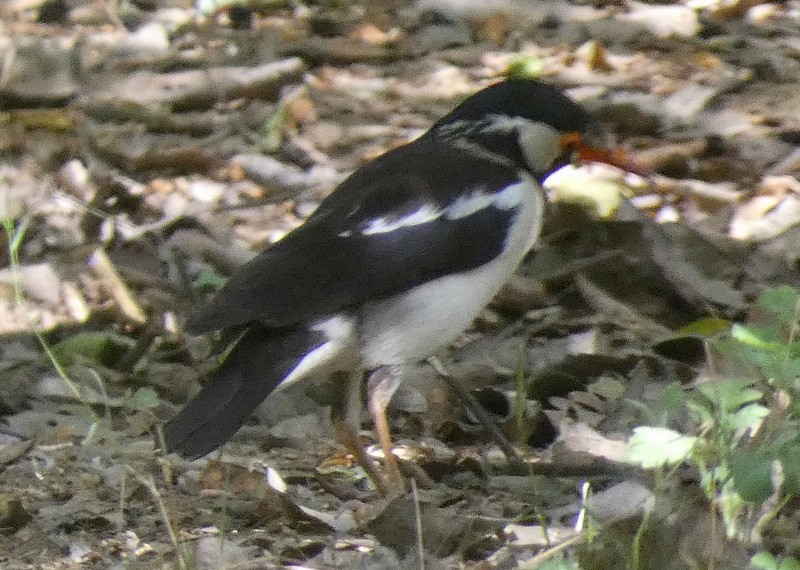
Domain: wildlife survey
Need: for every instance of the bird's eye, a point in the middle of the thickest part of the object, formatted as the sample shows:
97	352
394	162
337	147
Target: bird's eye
571	140
571	144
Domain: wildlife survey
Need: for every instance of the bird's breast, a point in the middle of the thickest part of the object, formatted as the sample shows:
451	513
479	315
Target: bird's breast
415	324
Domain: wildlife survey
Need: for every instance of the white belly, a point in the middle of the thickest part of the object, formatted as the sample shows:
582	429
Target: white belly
418	323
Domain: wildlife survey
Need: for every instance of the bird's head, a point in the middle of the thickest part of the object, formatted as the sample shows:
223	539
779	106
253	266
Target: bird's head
529	122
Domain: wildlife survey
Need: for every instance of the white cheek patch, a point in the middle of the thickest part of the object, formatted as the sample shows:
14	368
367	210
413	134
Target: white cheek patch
541	145
422	215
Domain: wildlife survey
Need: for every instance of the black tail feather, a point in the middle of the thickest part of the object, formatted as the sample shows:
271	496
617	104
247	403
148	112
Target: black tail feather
258	363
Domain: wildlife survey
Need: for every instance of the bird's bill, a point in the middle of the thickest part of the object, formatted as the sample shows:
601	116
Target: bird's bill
584	152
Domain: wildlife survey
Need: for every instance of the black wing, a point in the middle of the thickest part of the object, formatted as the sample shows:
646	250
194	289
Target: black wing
361	244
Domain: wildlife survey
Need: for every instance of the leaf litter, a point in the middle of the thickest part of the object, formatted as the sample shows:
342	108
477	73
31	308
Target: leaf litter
177	144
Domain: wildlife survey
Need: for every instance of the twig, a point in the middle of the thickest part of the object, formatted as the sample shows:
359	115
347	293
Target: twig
196	89
150	484
105	269
418	522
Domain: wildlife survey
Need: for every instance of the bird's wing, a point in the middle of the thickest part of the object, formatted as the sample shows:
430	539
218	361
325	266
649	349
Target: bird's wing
420	212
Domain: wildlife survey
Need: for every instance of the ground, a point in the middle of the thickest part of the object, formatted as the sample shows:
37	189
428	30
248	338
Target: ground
148	148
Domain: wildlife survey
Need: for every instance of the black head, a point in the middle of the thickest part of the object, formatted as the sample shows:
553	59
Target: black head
522	121
525	98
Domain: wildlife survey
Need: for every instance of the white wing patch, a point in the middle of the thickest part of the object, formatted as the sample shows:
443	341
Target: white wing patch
422	215
464	206
508	198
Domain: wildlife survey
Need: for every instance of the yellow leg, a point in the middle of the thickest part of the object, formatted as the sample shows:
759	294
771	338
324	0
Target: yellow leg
347	434
382	383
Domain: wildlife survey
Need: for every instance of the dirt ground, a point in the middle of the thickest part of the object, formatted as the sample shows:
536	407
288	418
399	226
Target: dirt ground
148	147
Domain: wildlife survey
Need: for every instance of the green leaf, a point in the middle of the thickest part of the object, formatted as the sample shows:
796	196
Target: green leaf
764	561
752	474
101	347
791	367
774	364
607	388
748	417
672	399
779	365
272	132
781	302
790	461
144	398
559	564
700	407
525	67
707	328
757	337
652	447
729	394
790	563
209	279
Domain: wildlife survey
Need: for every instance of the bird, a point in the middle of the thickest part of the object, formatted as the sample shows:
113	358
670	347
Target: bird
390	268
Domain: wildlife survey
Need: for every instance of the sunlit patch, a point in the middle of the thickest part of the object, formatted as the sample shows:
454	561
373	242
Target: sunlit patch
598	187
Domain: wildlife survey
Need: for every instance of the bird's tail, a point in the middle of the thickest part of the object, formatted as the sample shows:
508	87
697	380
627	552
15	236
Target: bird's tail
254	367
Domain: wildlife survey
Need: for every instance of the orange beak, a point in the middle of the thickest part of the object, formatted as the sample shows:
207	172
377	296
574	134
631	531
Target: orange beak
615	157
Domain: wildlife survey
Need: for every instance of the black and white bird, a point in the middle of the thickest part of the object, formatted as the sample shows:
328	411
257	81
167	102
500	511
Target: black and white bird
392	267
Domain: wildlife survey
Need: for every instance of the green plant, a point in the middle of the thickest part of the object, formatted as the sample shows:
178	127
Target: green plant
744	441
90	347
94	347
766	561
272	131
15	233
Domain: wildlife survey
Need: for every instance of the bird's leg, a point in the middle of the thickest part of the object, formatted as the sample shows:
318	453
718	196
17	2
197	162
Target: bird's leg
352	400
347	387
382	384
470	403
